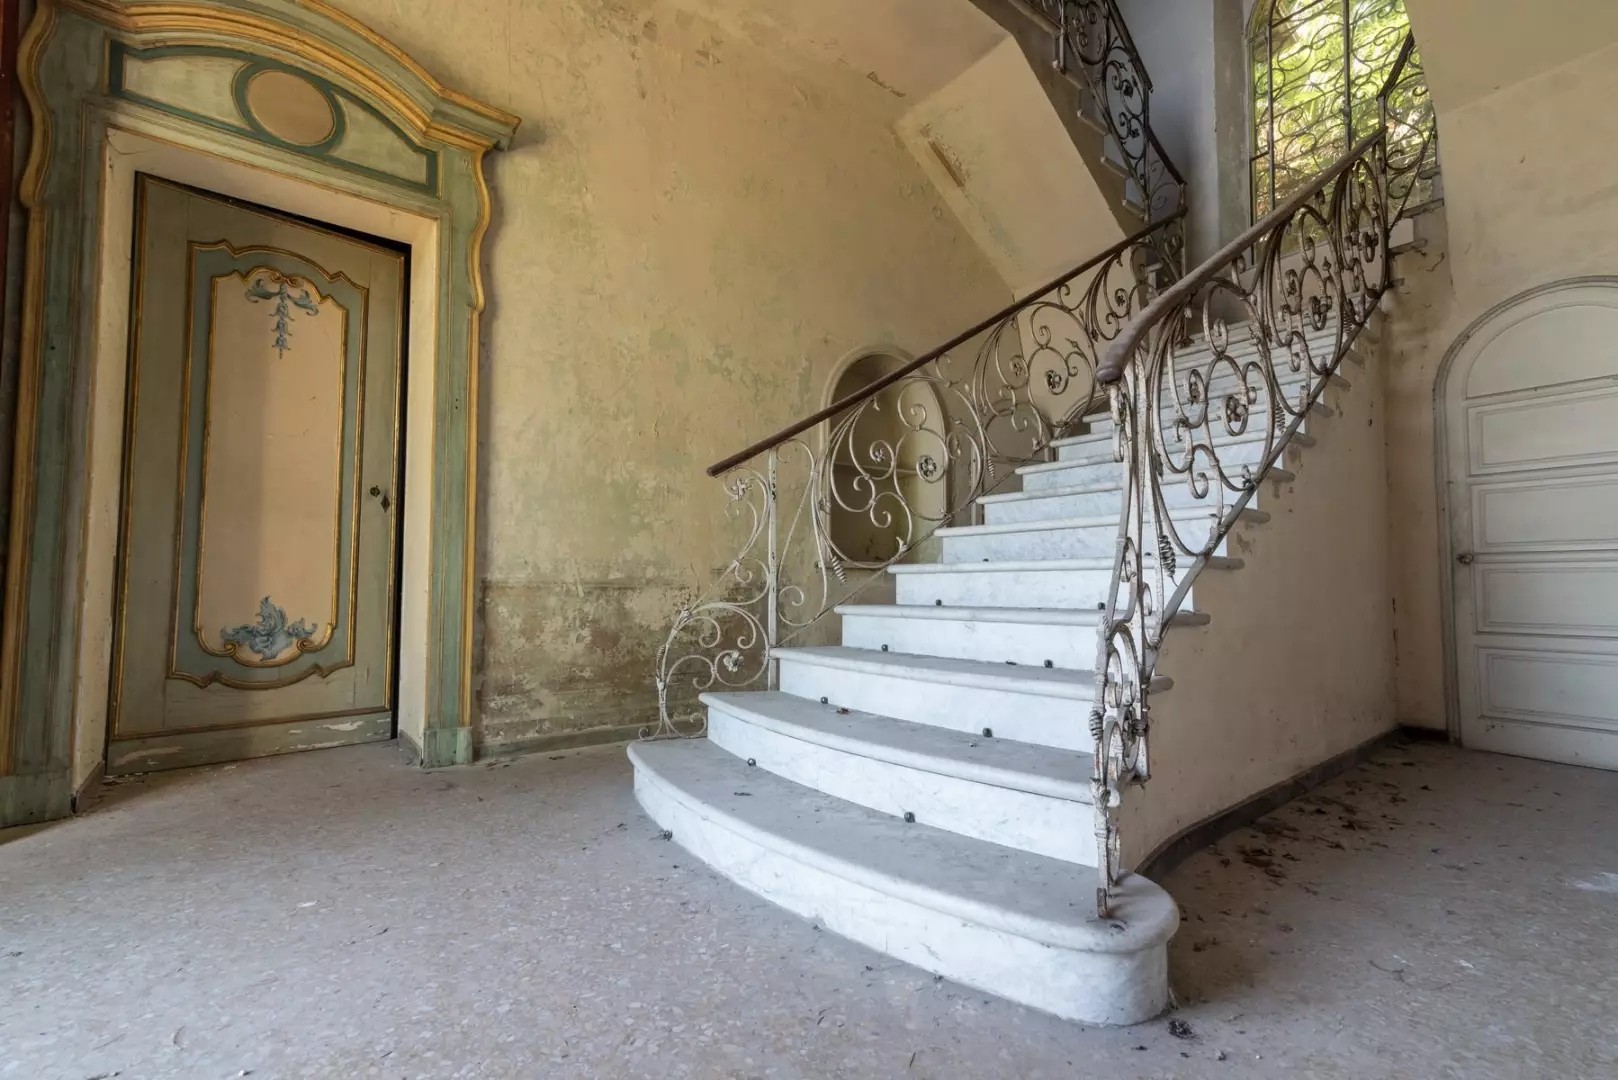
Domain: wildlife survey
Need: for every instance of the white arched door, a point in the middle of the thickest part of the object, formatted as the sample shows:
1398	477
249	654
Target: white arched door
1530	409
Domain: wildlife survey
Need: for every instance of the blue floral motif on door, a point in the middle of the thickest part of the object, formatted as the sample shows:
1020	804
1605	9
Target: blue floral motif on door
285	300
270	636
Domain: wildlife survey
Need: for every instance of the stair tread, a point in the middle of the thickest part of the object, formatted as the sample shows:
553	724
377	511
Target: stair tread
1039	616
1179	513
1254	436
1096	438
999	762
1012	678
1032	896
1051	493
1006	566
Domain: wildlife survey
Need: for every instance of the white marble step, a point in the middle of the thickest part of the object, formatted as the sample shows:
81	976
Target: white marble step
1071	583
1048	706
1003	921
1100	424
1086	471
1094	500
1240	346
1024	796
1064	583
1070	538
1065	638
1224	381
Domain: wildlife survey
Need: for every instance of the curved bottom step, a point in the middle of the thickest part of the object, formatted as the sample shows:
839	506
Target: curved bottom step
1014	924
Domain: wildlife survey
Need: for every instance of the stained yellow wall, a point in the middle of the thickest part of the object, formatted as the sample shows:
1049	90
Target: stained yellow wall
690	232
1528	175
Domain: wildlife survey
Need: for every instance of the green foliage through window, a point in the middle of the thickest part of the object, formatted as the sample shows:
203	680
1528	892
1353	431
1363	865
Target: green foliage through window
1318	66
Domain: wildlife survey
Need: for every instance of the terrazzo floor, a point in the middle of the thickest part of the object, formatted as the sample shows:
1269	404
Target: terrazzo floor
1433	913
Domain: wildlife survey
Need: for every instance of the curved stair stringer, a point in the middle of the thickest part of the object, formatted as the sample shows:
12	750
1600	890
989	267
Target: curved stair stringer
1297	665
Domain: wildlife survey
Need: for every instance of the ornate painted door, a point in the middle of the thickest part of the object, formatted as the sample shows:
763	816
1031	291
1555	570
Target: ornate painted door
255	609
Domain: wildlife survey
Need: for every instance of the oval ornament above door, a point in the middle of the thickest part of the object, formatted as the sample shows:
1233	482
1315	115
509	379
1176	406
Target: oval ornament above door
288	107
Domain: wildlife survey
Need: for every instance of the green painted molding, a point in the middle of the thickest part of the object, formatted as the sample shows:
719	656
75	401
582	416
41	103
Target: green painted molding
30	798
62	67
446	746
246	123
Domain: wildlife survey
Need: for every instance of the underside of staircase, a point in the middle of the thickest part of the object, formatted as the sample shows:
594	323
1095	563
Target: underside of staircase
924	787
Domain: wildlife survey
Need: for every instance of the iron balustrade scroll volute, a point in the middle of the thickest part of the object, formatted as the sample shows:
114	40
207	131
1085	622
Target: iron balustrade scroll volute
1277	310
826	505
1407	117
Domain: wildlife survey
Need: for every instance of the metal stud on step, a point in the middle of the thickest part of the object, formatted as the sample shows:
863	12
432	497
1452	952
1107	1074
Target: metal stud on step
884	648
752	761
1049	664
824	701
909	817
988	733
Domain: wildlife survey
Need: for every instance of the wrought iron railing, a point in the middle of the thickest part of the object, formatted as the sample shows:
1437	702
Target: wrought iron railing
828	503
1278	308
1093	44
1407	117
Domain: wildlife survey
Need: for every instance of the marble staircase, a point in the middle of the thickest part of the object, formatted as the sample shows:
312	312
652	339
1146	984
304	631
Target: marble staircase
923	788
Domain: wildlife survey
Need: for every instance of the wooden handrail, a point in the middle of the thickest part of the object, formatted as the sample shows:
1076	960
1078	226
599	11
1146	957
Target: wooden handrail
1124	345
883	383
1398	68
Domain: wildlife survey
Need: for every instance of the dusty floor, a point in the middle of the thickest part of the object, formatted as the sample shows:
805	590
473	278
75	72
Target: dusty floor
1432	914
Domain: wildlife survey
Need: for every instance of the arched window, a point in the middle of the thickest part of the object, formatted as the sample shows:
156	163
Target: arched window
1318	66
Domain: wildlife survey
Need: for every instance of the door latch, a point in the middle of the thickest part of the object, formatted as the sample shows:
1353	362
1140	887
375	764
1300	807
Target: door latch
1464	558
378	493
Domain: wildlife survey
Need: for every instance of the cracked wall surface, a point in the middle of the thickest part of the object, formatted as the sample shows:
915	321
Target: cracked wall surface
691	230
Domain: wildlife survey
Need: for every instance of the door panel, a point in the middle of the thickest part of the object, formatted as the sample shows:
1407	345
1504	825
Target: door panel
1533	475
1538	431
255	611
1565	512
1572	599
1553	685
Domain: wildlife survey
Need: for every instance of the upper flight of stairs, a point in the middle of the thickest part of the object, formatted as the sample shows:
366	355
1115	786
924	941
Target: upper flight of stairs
923	788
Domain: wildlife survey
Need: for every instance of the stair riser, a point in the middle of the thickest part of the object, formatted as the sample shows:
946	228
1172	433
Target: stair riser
1070	647
1089	987
1256	422
1231	455
1037	823
1088	504
1081	589
1032	718
1257	419
1092	475
1089	542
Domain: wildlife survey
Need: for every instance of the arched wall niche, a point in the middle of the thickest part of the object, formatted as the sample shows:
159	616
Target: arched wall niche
294	105
878	508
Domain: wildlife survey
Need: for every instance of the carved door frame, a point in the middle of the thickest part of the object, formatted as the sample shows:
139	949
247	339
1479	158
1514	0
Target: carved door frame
416	177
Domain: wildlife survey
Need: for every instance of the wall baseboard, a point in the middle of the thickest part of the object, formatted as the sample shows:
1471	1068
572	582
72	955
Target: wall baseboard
1173	851
561	740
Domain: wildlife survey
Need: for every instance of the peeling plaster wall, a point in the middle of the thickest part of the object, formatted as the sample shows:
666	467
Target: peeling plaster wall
689	233
992	143
1529	199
